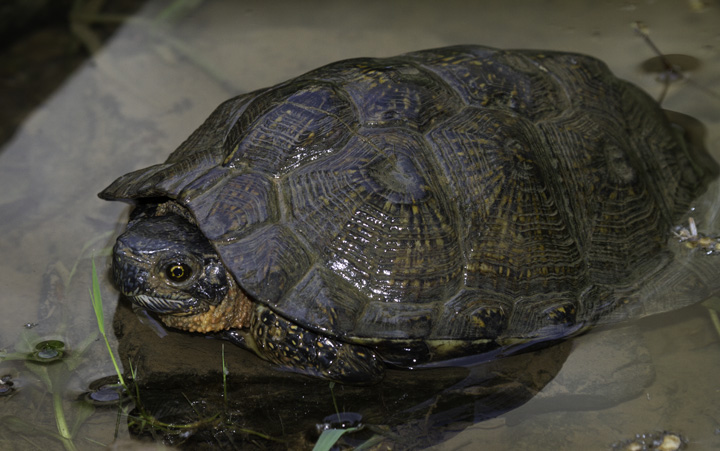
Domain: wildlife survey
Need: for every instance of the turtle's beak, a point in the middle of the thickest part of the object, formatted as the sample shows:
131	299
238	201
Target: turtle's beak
165	305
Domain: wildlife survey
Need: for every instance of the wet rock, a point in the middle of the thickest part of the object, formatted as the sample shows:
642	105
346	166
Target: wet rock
605	368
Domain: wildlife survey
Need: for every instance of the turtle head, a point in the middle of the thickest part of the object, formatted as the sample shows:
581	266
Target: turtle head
166	265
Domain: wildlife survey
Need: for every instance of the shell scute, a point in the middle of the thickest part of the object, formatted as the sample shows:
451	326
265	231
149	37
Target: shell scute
290	127
395	320
378	217
488	78
234	208
473	313
326	300
266	263
392	92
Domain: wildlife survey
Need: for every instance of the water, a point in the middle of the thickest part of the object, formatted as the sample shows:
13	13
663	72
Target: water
156	80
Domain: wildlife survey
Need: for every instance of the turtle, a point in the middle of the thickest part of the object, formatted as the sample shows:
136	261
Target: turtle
438	207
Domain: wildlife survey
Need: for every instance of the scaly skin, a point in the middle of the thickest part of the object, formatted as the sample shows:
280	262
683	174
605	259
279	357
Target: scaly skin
232	313
301	350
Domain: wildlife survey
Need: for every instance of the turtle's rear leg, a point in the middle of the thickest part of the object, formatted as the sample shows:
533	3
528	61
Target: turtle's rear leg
294	348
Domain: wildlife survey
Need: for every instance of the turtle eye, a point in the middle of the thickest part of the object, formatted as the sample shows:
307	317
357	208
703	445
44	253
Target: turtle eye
178	272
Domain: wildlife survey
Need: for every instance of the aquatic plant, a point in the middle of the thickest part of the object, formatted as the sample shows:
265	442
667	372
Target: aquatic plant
52	362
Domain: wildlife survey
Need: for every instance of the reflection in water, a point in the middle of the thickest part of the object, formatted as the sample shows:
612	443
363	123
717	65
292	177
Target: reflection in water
180	382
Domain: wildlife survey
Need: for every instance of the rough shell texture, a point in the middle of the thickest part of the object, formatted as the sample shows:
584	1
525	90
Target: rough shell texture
456	193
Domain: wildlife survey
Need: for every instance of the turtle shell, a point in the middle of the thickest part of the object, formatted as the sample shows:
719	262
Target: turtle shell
461	193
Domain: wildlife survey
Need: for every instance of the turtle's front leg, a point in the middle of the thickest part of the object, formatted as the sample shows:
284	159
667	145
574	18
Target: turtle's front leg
294	348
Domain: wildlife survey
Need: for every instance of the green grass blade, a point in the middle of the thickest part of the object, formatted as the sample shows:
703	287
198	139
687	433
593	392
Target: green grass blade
97	299
60	420
329	437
